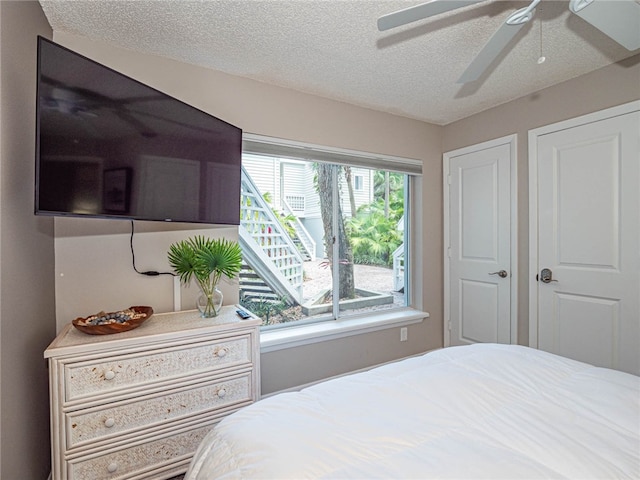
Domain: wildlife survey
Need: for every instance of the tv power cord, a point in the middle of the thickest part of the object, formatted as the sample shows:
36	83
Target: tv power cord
149	273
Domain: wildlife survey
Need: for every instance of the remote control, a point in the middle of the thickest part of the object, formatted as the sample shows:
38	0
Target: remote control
242	314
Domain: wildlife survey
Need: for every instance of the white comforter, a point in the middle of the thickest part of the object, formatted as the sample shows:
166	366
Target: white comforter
482	411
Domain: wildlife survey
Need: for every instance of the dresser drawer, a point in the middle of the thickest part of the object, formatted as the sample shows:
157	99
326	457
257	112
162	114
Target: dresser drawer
101	423
83	379
139	459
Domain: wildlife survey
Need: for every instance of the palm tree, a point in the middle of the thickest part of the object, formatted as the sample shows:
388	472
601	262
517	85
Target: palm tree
352	199
373	235
385	185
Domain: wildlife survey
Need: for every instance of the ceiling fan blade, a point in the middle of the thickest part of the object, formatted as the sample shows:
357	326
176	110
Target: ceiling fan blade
418	12
619	20
496	44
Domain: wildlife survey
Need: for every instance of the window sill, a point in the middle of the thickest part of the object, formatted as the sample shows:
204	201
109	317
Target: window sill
273	340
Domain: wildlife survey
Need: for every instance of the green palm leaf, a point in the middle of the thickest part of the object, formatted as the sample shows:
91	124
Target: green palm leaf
206	259
220	257
182	259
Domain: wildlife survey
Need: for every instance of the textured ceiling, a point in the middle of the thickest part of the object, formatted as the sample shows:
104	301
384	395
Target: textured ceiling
332	48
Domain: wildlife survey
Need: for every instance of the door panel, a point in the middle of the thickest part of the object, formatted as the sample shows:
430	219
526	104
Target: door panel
595	318
480	246
587	176
476	186
479	306
588	235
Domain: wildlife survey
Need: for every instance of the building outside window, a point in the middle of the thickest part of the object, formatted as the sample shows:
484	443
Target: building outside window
321	239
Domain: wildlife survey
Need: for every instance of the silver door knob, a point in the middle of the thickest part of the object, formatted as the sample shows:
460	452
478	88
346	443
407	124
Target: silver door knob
501	273
546	276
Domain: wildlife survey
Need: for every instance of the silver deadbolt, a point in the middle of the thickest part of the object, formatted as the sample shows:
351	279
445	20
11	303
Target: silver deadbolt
501	273
546	276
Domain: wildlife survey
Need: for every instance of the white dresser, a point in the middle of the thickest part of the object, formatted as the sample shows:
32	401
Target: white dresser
135	405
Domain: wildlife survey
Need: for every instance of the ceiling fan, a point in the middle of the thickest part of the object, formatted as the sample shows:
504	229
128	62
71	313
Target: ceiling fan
88	104
618	19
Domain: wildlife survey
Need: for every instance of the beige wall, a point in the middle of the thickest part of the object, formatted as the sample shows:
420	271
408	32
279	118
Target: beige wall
267	110
94	266
610	86
27	316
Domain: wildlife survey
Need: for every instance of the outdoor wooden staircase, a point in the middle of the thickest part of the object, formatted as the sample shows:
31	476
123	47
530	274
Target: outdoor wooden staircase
303	240
304	253
267	248
254	288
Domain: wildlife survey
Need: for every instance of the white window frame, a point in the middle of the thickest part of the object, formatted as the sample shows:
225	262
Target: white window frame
308	333
358	182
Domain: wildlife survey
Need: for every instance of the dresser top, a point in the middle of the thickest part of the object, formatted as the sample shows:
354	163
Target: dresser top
160	327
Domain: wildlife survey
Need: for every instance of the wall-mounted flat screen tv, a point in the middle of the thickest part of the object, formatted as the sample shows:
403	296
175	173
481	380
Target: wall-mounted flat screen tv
110	146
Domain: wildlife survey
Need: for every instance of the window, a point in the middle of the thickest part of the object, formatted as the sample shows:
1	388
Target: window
340	250
296	202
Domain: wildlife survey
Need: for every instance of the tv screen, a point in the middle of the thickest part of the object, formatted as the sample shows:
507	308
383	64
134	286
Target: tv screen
110	146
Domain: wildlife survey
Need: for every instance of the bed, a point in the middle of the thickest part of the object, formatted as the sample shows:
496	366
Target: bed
479	411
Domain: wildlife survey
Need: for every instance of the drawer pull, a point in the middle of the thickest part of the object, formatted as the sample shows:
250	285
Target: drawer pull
221	353
109	375
112	467
109	422
221	393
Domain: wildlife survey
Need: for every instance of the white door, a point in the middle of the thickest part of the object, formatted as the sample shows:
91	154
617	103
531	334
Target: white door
478	234
588	212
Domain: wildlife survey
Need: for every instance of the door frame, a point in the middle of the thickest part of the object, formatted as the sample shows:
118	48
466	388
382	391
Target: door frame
512	141
533	197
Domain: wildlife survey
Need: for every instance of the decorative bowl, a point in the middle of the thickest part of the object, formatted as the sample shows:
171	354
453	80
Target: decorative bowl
139	315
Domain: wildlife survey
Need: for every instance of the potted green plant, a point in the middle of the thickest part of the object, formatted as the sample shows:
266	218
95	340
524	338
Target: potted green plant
206	260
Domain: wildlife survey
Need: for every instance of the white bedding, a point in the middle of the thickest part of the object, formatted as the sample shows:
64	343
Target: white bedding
480	411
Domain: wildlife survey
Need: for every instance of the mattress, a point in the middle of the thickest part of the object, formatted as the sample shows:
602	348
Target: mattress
480	411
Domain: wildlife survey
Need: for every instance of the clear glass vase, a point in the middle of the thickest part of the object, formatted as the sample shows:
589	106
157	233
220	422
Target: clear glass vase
209	303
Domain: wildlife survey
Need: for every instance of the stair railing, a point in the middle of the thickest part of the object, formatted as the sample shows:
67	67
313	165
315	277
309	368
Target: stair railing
307	242
271	251
398	268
